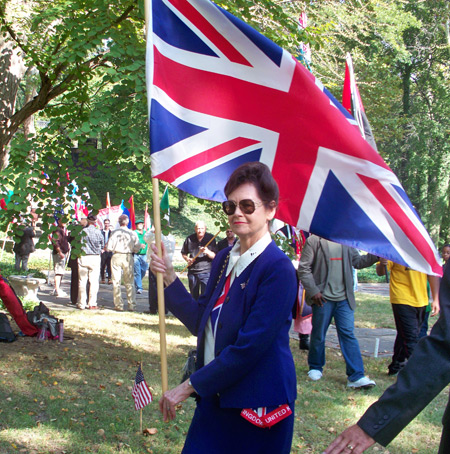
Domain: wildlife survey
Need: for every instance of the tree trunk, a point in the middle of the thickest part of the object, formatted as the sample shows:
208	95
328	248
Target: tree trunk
29	129
181	200
12	70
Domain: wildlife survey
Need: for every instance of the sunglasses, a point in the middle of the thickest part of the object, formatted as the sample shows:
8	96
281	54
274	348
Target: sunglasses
247	206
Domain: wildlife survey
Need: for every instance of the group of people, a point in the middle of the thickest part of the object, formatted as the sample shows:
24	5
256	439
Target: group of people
245	377
240	304
114	255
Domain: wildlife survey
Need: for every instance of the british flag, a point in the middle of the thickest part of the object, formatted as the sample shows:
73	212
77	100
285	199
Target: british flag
221	94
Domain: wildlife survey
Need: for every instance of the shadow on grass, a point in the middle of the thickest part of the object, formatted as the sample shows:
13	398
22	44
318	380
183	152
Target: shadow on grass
75	396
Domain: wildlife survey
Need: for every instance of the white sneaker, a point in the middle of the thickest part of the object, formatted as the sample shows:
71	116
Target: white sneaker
315	374
62	294
364	382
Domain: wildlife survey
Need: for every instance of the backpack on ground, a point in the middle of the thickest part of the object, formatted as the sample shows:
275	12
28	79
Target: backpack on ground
6	332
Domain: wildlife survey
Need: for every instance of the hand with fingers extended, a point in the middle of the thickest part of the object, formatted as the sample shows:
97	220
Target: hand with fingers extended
162	264
352	441
318	299
172	398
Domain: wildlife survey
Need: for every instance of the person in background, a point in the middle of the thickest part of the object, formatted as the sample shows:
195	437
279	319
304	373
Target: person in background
245	377
325	271
89	264
425	375
169	246
445	255
409	298
199	267
228	241
123	243
60	250
24	247
105	260
140	258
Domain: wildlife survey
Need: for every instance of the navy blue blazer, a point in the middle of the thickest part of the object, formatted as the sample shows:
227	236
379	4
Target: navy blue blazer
253	365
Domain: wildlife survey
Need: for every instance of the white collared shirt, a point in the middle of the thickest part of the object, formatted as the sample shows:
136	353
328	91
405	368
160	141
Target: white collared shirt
237	263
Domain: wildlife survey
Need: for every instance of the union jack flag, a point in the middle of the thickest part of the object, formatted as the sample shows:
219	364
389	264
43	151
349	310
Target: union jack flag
221	94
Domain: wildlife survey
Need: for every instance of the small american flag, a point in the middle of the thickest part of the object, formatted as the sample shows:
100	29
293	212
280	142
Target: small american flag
141	392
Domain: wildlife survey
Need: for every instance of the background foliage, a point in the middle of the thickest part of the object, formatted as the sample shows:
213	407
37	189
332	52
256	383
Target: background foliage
82	83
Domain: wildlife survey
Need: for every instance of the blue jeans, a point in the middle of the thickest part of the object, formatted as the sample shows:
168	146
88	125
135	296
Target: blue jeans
345	322
140	268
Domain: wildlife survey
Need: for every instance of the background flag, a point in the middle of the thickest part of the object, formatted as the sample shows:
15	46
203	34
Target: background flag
352	102
164	204
222	94
126	211
132	215
141	392
111	213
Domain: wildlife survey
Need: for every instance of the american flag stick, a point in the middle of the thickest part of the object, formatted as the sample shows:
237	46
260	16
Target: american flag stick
198	253
140	412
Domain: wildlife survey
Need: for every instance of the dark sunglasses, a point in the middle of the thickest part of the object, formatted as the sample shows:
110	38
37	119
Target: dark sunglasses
247	206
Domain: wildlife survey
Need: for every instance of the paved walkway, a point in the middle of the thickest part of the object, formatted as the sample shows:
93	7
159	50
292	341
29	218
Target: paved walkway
373	342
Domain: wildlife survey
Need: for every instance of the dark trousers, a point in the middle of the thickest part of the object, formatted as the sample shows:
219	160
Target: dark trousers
105	264
408	321
152	293
197	284
73	265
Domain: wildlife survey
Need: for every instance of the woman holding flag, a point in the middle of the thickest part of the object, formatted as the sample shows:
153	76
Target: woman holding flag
245	376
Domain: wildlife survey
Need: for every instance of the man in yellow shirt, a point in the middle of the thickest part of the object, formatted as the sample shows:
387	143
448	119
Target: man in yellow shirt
409	299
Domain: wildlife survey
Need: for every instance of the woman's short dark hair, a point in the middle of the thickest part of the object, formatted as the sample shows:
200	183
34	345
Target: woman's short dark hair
257	174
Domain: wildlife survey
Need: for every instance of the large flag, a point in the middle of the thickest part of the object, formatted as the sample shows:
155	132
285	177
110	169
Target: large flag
222	94
141	393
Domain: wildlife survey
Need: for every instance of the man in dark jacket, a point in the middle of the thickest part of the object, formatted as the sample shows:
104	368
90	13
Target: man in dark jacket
425	375
199	257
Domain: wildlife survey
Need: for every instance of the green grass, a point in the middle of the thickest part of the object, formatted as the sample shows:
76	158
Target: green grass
75	397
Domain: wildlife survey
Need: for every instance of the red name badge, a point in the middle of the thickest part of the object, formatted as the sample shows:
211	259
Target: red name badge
269	419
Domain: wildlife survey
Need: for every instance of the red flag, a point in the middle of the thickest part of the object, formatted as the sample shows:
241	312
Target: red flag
352	102
132	215
141	392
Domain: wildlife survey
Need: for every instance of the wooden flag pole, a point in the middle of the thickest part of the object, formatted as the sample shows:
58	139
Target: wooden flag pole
198	253
159	276
160	288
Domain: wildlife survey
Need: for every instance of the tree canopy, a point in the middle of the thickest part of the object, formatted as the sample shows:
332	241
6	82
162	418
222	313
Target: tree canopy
76	69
